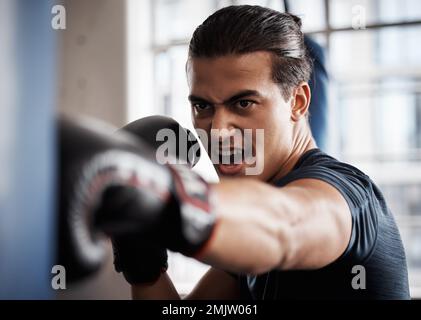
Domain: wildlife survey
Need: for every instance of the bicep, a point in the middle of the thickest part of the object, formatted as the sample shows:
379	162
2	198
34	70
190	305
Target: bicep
321	225
216	284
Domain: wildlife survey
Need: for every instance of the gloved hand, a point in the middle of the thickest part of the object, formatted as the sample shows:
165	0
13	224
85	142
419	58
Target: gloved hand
136	256
140	260
180	217
168	203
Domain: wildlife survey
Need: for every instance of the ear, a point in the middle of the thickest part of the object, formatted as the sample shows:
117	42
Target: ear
300	101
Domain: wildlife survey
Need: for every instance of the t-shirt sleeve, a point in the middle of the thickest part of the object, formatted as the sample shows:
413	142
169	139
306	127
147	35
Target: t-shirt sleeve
358	191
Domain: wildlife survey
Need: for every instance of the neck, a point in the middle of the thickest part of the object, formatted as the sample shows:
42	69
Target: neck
303	141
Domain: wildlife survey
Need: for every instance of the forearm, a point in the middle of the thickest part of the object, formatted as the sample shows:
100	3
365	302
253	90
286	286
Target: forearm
305	225
162	289
250	236
247	237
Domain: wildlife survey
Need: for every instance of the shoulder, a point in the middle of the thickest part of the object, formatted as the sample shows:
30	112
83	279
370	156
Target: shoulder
362	196
355	186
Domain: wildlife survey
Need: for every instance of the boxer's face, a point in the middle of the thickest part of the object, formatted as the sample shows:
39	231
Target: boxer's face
237	92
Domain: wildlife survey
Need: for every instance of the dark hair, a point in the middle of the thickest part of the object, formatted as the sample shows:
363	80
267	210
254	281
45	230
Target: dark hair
245	29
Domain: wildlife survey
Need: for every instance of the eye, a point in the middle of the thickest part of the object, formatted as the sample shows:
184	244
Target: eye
244	104
199	106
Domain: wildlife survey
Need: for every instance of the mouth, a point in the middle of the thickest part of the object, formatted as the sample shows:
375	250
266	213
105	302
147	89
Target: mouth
230	161
229	169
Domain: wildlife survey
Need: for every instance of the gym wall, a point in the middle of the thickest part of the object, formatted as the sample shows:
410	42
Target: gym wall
92	81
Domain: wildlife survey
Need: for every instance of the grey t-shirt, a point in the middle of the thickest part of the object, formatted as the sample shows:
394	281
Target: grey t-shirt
375	244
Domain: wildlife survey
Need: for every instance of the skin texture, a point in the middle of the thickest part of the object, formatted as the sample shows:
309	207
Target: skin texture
304	225
217	80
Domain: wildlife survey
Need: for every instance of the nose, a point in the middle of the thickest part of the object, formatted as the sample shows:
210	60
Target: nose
223	123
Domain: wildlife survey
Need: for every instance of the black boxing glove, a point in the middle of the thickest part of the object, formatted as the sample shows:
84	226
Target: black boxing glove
169	203
139	260
92	159
183	223
135	256
156	130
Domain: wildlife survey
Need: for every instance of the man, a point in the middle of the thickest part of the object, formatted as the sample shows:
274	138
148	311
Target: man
299	227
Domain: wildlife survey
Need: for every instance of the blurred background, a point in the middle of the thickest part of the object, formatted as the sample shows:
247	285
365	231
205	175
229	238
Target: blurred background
121	60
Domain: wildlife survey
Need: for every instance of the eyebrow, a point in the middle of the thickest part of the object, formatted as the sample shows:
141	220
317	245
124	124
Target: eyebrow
237	96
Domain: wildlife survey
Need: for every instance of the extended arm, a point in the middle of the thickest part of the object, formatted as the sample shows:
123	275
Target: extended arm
304	225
